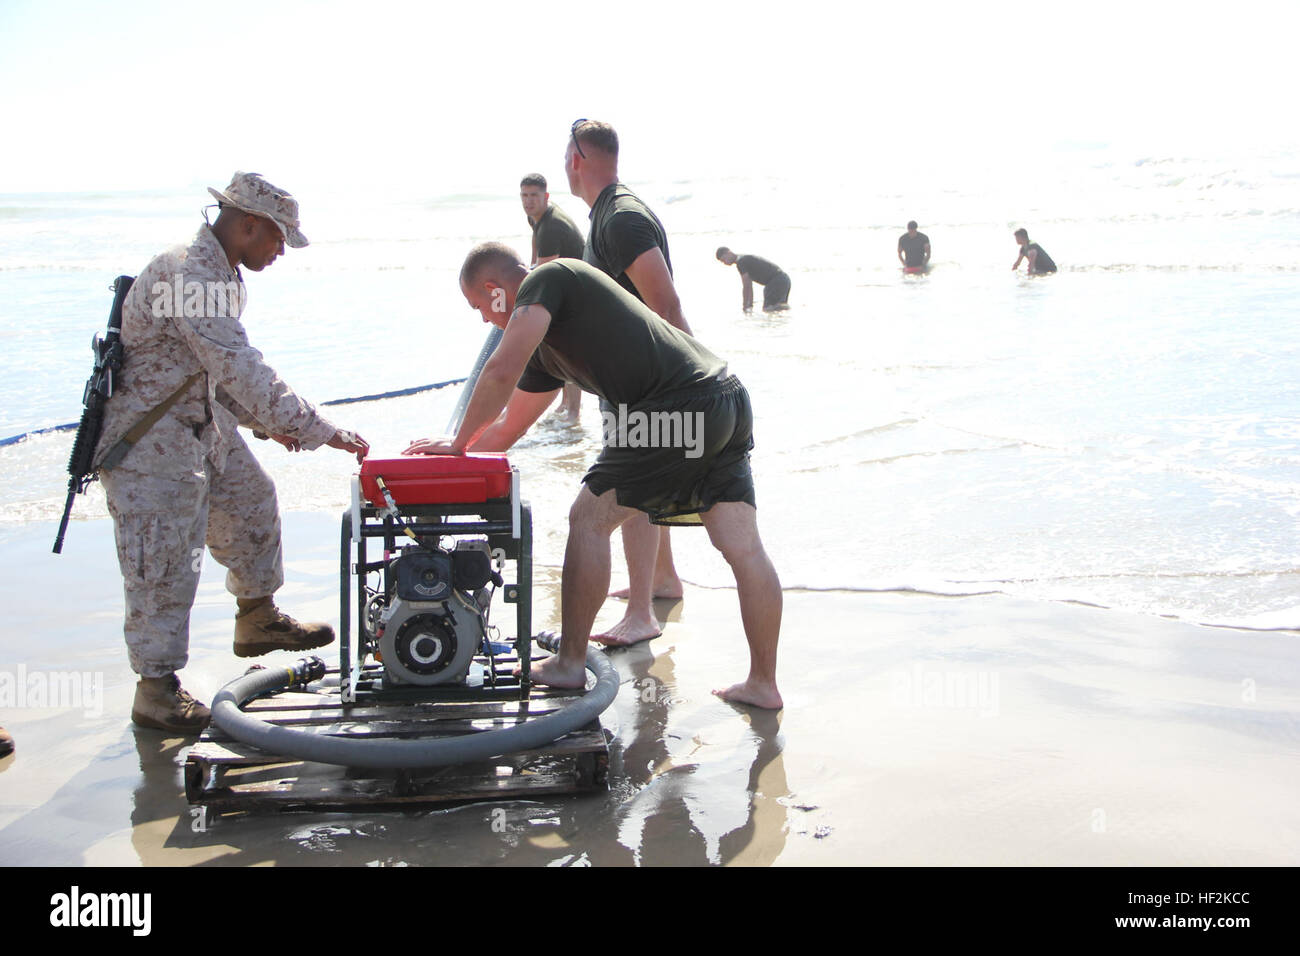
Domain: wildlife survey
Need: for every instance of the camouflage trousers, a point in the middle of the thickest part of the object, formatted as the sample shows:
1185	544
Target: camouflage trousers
161	526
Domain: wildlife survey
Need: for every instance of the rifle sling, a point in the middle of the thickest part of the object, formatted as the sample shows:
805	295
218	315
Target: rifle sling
127	441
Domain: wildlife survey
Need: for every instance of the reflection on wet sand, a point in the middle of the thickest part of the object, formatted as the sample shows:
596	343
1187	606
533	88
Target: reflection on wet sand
692	788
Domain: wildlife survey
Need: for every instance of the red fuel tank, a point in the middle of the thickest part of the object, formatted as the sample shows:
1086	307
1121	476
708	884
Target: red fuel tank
437	479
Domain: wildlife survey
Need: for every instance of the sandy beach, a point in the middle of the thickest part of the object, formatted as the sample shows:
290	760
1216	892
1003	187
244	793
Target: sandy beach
918	730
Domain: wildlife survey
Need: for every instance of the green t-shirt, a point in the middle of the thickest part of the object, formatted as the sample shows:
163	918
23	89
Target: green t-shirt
913	248
757	268
622	228
1042	262
556	235
608	342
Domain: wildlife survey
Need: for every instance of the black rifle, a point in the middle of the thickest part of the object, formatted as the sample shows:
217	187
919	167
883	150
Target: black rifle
99	389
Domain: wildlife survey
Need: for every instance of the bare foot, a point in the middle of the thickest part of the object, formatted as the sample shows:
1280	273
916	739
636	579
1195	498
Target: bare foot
552	672
667	589
763	695
630	630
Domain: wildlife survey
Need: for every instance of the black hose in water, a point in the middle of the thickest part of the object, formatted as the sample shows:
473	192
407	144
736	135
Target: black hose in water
386	754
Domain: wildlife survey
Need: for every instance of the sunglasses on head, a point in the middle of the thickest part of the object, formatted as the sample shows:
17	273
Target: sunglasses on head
573	131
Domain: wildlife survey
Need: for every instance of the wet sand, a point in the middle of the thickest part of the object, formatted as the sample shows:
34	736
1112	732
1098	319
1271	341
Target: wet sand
917	730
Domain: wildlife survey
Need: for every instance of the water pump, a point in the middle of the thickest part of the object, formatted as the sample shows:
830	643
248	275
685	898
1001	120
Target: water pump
431	618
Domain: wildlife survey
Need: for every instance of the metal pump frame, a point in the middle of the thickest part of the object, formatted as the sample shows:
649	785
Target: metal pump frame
508	525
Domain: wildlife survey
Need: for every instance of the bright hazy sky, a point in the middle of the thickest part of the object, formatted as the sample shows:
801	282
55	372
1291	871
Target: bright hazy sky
422	96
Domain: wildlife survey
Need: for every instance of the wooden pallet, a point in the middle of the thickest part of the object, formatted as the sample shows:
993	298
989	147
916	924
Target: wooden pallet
226	776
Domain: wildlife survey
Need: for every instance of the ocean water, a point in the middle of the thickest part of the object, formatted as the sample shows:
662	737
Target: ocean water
1124	433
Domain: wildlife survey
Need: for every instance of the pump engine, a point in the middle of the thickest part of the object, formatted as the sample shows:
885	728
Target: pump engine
431	618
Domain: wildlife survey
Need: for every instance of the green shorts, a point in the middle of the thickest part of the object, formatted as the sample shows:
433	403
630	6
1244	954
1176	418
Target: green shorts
678	454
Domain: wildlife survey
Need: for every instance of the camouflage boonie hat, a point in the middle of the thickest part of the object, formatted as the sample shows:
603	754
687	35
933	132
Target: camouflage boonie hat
249	192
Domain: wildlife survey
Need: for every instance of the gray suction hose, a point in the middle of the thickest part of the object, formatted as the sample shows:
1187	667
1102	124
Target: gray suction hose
385	754
489	346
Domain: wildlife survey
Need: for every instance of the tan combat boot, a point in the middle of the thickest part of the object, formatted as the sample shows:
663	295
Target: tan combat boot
264	628
162	704
6	743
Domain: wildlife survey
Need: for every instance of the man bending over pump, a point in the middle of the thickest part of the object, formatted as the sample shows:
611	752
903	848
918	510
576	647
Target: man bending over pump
678	449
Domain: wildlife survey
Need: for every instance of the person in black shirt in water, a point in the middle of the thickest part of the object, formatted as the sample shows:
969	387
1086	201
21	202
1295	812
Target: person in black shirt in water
775	283
914	249
1040	263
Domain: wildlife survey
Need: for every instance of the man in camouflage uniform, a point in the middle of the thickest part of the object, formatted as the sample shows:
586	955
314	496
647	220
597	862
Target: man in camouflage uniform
190	478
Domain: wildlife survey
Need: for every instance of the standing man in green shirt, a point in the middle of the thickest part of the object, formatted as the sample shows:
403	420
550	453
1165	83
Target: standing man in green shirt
554	234
628	243
554	237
